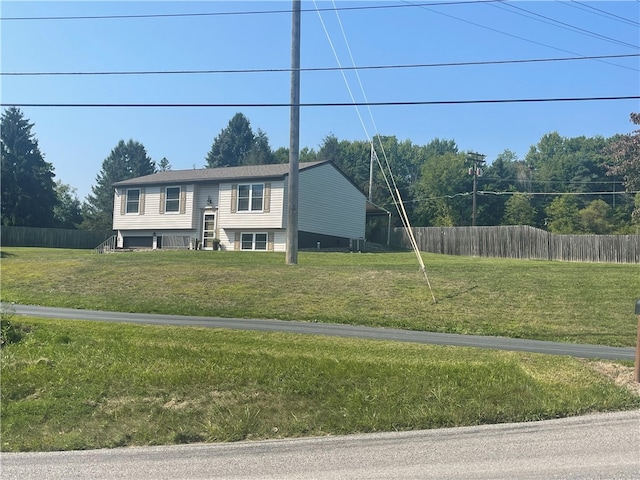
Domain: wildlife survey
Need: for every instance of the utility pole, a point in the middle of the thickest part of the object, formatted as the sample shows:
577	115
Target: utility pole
373	152
477	162
294	139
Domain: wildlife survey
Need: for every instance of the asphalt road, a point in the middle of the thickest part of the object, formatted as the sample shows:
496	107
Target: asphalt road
498	343
595	447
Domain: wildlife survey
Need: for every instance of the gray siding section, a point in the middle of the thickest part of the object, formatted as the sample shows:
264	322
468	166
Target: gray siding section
330	204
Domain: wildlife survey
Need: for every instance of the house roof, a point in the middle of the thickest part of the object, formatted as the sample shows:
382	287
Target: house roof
279	170
374	210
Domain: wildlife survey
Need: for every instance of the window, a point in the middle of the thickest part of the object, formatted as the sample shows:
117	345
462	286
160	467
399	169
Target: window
253	241
133	200
172	200
250	197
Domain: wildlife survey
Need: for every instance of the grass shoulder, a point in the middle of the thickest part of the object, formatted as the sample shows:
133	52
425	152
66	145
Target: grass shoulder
80	385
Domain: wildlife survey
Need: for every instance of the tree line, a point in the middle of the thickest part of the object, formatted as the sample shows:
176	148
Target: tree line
564	185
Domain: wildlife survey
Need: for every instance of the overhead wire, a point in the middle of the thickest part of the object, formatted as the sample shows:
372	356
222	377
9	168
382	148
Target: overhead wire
248	12
320	69
622	193
602	13
5	103
512	35
394	191
566	26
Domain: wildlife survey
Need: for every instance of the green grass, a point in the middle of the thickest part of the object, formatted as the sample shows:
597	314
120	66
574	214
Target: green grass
568	302
79	385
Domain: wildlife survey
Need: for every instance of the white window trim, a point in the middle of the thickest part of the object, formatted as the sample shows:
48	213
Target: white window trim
253	242
249	210
126	200
166	199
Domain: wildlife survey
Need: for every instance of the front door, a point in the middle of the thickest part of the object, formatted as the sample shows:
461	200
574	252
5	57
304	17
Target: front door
208	231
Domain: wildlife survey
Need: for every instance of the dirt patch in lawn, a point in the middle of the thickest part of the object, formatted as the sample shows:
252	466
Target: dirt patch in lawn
620	374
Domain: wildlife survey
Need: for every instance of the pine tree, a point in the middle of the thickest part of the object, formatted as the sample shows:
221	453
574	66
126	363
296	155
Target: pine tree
126	160
28	190
232	145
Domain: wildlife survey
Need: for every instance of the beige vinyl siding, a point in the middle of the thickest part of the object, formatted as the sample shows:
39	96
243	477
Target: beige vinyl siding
152	218
251	221
203	193
330	204
276	239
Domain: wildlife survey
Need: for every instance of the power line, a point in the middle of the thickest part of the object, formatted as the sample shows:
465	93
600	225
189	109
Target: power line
475	24
483	192
329	104
603	13
250	12
561	182
321	69
564	25
511	193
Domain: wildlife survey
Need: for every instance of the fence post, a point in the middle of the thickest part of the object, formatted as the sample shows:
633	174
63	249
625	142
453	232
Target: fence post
637	365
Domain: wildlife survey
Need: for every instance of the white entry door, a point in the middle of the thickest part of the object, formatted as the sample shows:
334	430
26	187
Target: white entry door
208	231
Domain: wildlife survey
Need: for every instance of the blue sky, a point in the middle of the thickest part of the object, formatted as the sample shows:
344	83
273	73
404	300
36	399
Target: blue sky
77	140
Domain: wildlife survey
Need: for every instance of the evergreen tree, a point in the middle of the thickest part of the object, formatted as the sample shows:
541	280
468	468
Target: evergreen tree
126	160
164	165
28	192
260	153
232	145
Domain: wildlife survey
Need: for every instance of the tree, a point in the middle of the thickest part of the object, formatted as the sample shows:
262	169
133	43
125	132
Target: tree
500	176
164	165
597	218
564	215
519	211
624	155
232	145
126	160
568	165
442	193
635	216
260	152
281	155
68	211
438	146
28	192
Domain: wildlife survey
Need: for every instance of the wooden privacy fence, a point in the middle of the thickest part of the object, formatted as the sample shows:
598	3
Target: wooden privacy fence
51	237
522	242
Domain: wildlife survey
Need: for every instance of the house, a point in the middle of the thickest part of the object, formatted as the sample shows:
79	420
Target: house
239	208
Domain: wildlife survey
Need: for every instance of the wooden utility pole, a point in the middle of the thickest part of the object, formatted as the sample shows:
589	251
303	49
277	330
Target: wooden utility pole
294	139
477	161
373	152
